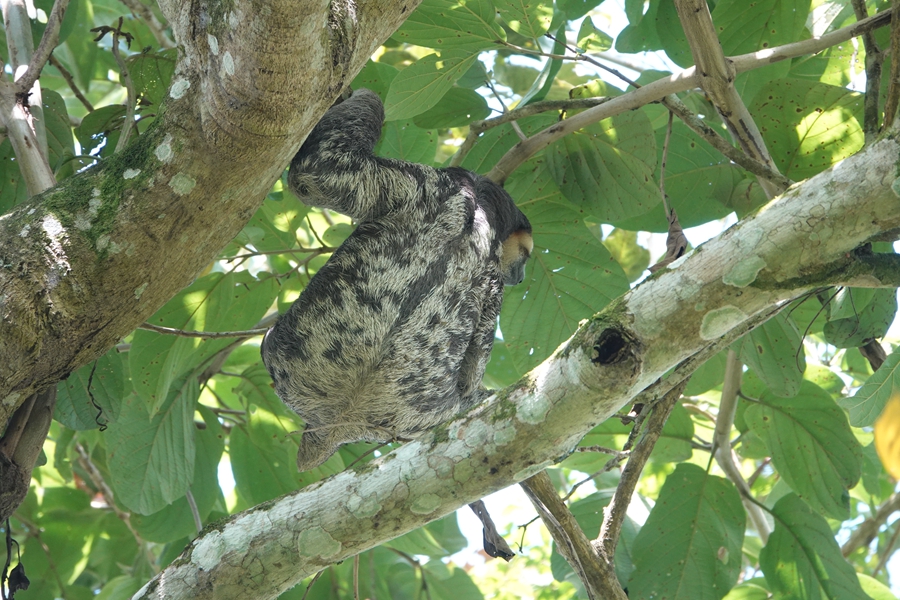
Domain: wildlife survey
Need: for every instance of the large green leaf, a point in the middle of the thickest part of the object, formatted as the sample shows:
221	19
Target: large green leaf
497	141
808	126
811	445
867	403
75	403
12	184
570	276
175	520
152	73
690	546
466	24
421	85
60	143
405	141
274	226
438	539
859	315
802	558
216	302
151	458
775	353
699	182
527	17
607	167
376	76
458	107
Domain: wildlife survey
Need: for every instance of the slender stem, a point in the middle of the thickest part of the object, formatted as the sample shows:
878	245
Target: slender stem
45	47
202	334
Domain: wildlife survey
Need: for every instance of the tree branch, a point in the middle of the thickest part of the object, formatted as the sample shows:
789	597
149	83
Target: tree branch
866	531
45	47
595	572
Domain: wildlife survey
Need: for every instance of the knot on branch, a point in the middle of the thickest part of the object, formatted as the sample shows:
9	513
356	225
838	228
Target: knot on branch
612	347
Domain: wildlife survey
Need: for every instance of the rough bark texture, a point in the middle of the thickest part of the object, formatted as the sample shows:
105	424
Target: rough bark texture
88	261
696	307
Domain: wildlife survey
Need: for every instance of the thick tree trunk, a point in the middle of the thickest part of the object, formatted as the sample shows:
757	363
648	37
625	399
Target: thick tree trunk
85	263
672	322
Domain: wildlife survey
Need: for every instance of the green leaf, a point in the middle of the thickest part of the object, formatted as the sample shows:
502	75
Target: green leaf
775	353
376	76
591	39
699	182
874	588
526	17
98	125
436	540
690	546
175	521
452	24
421	85
60	143
495	142
274	226
674	443
811	446
570	276
869	401
802	558
746	27
607	167
404	141
631	256
867	314
81	47
12	185
458	107
747	591
808	126
109	385
708	376
216	302
151	459
152	73
546	78
449	582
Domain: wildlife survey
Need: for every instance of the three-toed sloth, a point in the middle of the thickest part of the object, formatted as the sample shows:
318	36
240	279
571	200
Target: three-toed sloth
392	335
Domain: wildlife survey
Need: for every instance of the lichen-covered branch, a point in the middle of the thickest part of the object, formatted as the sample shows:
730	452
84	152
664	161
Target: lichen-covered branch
617	357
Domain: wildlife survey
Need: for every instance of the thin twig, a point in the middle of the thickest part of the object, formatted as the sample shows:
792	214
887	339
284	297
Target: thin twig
129	86
662	165
312	582
866	531
71	82
202	334
145	14
874	60
594	569
195	512
45	47
614	513
887	550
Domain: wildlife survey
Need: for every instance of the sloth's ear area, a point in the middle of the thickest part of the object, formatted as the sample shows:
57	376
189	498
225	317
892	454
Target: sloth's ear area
516	251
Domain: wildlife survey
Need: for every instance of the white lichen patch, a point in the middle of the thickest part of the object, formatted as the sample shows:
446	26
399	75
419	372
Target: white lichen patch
25	230
425	504
131	173
31	211
103	242
182	184
504	433
164	150
233	20
138	291
363	508
720	321
179	88
228	63
208	551
441	465
532	409
315	541
744	272
94	205
213	44
82	221
12	399
477	433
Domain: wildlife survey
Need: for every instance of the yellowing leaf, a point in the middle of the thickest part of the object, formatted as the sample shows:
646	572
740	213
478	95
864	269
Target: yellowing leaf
887	436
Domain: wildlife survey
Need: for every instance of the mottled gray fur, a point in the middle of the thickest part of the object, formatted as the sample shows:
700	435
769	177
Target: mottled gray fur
392	335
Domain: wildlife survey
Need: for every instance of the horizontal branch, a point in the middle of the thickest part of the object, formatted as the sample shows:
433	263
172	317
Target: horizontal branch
670	323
